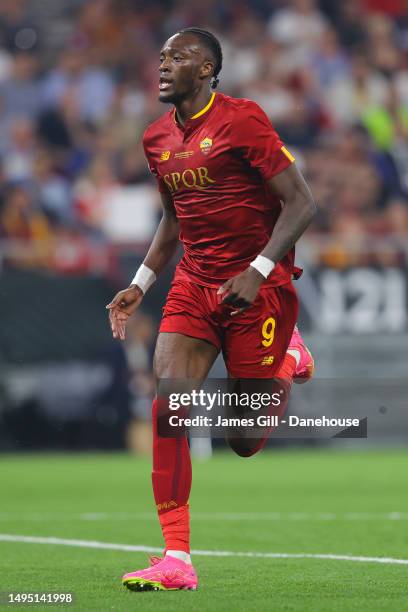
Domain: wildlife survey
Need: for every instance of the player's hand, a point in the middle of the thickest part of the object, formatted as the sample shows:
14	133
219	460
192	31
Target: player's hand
241	290
123	305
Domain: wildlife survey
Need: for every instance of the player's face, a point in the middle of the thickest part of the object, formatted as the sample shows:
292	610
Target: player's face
183	66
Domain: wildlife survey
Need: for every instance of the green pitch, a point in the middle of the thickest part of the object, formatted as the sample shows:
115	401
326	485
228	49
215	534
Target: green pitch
322	502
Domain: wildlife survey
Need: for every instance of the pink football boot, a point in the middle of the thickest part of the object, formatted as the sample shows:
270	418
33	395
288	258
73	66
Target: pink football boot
305	368
167	574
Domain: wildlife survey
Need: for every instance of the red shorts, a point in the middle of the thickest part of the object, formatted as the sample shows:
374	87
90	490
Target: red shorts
253	342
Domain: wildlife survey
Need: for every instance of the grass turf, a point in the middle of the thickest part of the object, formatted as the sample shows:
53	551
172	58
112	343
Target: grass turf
47	495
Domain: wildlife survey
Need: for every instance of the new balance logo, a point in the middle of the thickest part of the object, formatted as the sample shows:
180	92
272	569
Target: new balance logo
268	360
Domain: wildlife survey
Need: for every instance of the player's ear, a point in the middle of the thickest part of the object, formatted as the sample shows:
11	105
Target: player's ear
206	70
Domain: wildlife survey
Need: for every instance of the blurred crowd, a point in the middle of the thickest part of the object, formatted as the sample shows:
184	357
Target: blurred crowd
78	86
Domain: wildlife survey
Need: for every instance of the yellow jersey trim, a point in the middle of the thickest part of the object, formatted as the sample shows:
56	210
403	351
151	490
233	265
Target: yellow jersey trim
288	155
205	109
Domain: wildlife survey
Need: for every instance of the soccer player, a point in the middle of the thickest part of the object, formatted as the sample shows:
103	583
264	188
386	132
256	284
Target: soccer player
232	194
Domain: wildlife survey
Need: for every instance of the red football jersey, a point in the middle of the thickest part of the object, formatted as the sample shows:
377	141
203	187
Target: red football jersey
216	168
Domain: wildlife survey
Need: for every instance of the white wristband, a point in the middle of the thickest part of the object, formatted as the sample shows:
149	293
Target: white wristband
144	278
263	265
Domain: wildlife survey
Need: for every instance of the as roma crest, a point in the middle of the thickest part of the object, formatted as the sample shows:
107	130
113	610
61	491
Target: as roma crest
205	145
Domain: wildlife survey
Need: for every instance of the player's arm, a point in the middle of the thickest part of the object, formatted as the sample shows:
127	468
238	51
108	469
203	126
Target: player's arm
298	209
165	240
255	140
162	249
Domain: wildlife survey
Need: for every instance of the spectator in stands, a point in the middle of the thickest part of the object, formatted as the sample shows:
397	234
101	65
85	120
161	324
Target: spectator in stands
18	150
348	99
20	93
22	225
17	26
91	85
382	41
91	194
329	61
333	78
51	190
299	25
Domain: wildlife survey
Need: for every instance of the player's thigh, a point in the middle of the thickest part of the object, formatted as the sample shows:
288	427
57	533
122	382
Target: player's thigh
256	342
188	340
180	356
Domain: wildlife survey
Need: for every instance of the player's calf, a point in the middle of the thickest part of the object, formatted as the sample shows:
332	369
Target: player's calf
297	366
255	425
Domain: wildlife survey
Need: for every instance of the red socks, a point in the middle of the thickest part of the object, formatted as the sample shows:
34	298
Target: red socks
171	478
171	475
175	526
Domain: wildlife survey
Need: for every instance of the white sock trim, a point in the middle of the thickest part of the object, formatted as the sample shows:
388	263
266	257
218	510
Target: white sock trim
179	554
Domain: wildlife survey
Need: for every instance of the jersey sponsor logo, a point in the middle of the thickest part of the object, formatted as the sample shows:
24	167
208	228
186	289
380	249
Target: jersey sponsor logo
183	154
205	145
268	360
191	178
165	156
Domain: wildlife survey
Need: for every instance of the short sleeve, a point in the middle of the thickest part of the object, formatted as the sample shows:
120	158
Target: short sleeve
152	168
255	139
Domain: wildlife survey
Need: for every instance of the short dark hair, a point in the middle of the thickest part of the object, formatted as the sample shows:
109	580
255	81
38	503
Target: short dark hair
213	45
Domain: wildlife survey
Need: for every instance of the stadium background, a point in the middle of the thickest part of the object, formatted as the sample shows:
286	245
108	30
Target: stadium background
78	86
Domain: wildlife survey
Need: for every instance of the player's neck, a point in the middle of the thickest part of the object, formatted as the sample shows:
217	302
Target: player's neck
191	106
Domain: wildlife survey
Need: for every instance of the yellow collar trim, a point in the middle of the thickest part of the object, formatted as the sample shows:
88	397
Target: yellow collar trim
205	109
